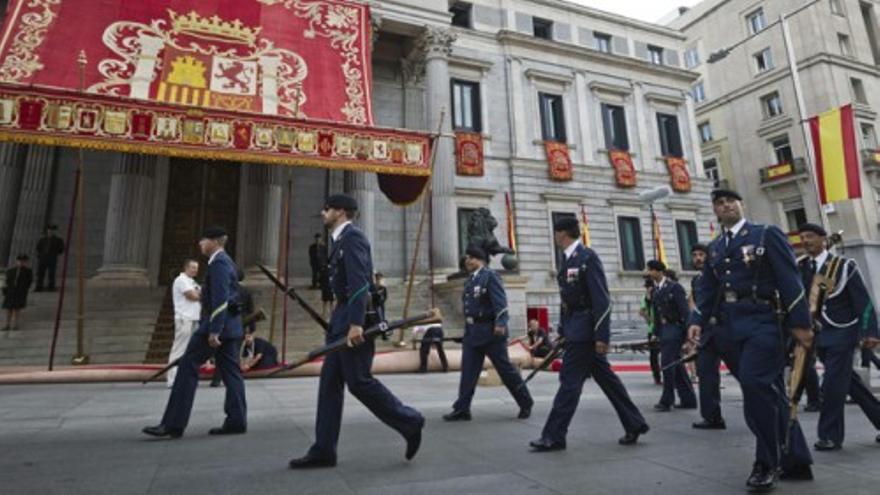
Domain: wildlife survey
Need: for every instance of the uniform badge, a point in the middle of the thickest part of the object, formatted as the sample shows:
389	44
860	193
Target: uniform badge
571	274
748	253
477	291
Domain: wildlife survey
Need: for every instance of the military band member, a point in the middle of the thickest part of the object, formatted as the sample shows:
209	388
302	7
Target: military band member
219	335
748	266
585	325
485	335
351	271
715	346
670	320
847	318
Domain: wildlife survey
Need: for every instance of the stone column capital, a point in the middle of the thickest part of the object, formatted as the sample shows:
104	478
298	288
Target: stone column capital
435	42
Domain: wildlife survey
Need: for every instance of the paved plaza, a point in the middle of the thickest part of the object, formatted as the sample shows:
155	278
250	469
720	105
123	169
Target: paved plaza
85	439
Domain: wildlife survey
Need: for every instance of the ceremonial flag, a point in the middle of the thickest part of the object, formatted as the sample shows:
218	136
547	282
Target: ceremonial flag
585	227
712	232
658	241
837	160
511	234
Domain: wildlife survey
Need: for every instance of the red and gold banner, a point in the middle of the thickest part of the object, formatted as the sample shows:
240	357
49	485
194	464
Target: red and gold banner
469	154
585	227
624	171
837	159
558	160
679	177
779	171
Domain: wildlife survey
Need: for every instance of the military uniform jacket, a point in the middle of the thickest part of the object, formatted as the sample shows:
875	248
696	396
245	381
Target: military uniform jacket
221	300
485	307
670	311
583	291
351	271
755	266
848	313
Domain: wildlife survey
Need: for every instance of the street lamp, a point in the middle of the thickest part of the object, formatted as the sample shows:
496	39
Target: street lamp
649	197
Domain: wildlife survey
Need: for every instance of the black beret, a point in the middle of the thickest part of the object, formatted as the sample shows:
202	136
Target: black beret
700	247
656	265
566	223
213	233
22	257
476	252
725	193
814	228
341	202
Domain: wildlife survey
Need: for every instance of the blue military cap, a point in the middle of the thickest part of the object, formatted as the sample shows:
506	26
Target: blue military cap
214	232
700	247
476	252
812	227
341	202
725	193
566	224
656	265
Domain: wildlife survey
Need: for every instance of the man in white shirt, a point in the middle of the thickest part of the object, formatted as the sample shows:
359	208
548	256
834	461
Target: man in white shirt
185	293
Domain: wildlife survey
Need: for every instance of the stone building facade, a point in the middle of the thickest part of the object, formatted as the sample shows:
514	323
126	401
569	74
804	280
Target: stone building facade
511	56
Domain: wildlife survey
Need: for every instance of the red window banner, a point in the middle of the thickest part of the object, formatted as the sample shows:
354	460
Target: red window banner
558	160
469	154
680	178
624	171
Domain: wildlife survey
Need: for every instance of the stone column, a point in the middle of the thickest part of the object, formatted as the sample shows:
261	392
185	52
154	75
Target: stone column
127	232
436	44
34	197
363	186
11	171
262	219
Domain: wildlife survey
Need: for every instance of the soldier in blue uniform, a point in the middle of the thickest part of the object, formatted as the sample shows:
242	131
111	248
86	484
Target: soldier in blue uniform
585	325
219	335
351	271
715	346
485	335
670	320
846	318
751	272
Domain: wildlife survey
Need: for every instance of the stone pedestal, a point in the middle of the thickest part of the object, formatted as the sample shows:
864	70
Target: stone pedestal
11	172
448	299
127	232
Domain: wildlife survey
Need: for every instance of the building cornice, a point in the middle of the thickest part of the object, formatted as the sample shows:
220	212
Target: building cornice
620	20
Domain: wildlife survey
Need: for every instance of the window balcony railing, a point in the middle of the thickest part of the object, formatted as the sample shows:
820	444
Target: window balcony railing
780	171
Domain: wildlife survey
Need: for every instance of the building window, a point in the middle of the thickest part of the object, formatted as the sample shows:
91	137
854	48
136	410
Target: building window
699	92
705	132
542	28
614	124
845	46
655	55
782	150
466	114
603	42
462	14
837	7
869	137
464	216
710	169
691	58
858	89
757	21
763	60
558	252
795	217
772	105
632	254
670	137
552	118
686	230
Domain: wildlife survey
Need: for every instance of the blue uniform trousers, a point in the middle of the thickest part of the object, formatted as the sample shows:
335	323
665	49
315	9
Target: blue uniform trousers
580	361
351	367
765	403
675	379
187	379
718	347
472	357
838	381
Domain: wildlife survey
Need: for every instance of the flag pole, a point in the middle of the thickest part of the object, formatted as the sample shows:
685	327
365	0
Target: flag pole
80	358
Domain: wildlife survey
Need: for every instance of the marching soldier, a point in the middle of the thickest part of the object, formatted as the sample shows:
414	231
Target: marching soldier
751	272
219	335
585	325
351	269
846	317
715	346
670	317
485	334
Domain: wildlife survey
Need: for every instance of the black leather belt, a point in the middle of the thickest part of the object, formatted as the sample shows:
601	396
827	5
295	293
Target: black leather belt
732	296
470	320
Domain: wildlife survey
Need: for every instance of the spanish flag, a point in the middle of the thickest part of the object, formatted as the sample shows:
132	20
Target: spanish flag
585	227
837	159
511	233
661	252
712	232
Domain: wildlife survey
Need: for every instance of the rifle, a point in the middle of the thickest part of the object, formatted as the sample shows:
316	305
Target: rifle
383	328
258	315
291	293
640	346
555	352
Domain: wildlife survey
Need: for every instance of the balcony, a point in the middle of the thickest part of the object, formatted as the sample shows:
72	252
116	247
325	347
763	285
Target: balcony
871	163
773	173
